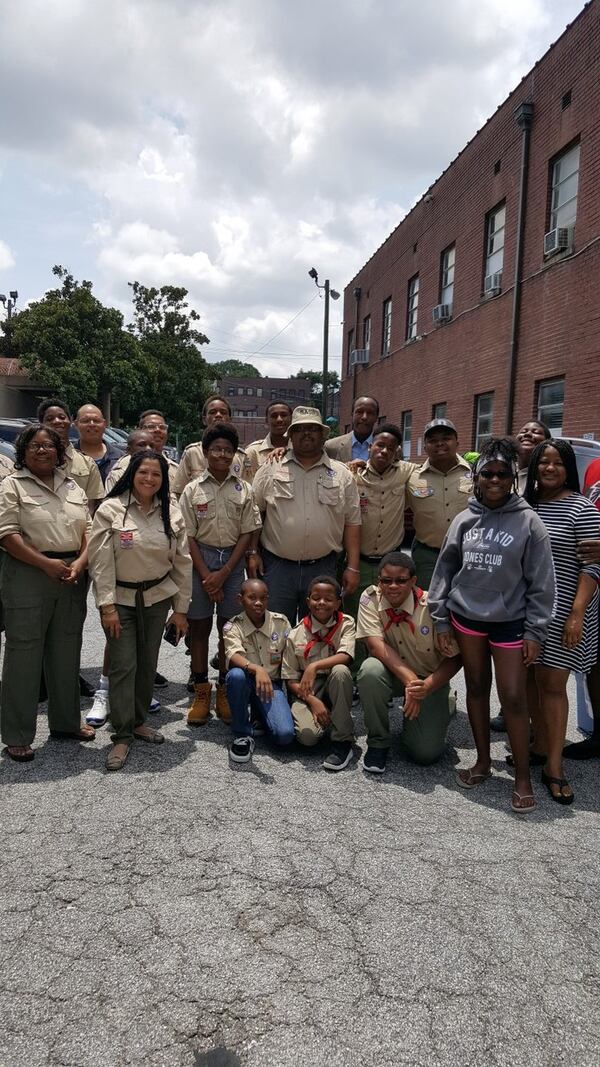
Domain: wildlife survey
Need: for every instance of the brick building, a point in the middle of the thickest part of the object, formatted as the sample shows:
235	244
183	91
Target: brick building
484	302
249	398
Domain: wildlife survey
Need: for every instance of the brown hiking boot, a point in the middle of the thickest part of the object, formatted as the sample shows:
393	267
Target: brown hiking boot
222	704
199	712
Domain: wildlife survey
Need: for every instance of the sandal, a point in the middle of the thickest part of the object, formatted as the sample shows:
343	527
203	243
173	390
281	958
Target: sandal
151	736
560	798
471	781
20	757
85	733
114	762
520	808
535	759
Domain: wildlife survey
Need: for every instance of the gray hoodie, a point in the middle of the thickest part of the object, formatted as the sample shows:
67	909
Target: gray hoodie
495	565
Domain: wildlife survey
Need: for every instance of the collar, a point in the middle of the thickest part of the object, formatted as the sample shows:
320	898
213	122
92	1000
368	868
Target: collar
317	626
460	462
267	443
60	476
409	604
371	470
248	627
155	505
367	441
206	475
323	460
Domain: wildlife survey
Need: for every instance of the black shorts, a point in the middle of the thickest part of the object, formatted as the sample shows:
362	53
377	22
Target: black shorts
499	634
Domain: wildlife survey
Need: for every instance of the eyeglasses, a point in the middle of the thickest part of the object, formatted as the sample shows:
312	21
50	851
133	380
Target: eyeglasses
500	475
396	581
227	452
34	447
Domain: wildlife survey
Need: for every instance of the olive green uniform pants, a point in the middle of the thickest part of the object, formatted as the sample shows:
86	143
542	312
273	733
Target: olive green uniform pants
423	738
132	665
425	559
335	690
43	622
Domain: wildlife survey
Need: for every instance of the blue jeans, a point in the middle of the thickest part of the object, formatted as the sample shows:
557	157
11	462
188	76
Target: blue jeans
288	582
276	713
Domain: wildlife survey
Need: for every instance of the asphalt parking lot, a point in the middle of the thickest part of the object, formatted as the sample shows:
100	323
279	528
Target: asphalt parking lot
187	912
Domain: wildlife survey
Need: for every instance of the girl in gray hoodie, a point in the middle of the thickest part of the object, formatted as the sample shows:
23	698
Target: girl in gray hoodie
493	589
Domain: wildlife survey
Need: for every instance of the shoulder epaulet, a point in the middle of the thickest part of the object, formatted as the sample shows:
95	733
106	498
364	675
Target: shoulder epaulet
193	444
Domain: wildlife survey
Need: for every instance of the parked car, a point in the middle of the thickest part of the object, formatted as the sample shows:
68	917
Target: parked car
585	451
8	450
11	428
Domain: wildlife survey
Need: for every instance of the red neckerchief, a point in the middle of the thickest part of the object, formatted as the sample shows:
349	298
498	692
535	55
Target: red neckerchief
326	638
402	616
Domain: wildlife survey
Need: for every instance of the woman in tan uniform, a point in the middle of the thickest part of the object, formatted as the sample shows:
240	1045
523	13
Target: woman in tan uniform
44	522
141	566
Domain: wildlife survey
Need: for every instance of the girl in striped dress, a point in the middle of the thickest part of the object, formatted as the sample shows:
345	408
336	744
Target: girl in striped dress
572	640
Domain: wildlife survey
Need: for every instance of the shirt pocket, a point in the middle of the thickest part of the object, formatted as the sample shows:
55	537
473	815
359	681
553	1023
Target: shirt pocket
283	489
204	508
33	510
329	492
233	509
125	539
421	491
465	485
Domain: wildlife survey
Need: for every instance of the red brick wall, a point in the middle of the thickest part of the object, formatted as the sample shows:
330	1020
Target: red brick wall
560	316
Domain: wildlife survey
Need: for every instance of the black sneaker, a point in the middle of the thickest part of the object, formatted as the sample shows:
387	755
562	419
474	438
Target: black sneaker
241	749
214	662
497	724
160	682
375	760
340	756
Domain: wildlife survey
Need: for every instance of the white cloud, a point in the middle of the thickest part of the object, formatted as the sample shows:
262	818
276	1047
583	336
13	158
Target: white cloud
6	257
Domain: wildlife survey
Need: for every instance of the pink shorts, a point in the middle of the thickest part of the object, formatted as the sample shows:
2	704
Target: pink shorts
499	634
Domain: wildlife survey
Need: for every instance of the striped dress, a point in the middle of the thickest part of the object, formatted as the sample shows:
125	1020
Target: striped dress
568	521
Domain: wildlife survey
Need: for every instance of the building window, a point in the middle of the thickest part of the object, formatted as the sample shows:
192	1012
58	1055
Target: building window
551	404
249	391
230	390
412	309
438	411
273	394
494	240
565	179
386	336
447	275
240	391
367	332
484	417
259	391
406	433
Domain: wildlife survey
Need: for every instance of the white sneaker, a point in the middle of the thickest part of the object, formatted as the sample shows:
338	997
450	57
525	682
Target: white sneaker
100	709
154	705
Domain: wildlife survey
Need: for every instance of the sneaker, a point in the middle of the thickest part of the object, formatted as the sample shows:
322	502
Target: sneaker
375	760
154	706
100	709
214	662
160	682
258	728
340	756
497	723
241	749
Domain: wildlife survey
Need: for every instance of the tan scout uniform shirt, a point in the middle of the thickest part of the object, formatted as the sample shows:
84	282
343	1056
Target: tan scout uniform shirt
294	661
382	501
305	511
133	547
437	498
257	453
194	462
263	646
84	470
521	480
122	464
6	466
51	520
418	649
218	513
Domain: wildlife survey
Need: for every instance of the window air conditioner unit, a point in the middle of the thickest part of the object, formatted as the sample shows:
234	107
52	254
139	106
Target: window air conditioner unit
442	313
492	284
359	355
558	240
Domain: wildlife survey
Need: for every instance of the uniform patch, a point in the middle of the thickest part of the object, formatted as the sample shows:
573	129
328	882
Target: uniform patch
227	626
330	473
274	637
424	630
421	491
126	538
70	484
236	467
274	657
201	509
365	599
238	486
364	503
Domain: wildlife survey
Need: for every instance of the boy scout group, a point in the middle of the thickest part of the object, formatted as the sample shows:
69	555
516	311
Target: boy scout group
294	542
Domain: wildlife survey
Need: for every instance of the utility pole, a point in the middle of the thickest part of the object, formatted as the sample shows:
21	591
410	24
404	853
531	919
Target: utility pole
329	292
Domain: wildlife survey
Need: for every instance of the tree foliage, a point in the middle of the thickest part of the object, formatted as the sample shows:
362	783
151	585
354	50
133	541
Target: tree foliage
233	368
315	377
75	346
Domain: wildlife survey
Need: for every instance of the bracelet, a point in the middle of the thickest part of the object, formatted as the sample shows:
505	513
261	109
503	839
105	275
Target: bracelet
252	552
353	569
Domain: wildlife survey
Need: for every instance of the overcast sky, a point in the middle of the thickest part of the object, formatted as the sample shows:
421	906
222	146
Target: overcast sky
230	145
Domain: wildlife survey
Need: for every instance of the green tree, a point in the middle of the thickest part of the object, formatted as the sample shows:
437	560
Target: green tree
178	376
233	368
76	347
315	377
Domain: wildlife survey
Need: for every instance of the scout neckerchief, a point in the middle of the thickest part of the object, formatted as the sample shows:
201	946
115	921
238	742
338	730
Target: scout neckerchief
326	638
402	616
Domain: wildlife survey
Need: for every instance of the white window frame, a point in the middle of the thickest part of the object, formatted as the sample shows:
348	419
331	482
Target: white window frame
483	418
412	309
367	333
439	411
564	188
494	239
447	275
551	411
386	332
406	433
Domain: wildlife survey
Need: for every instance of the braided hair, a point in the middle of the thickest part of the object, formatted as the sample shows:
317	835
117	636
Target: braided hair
125	485
499	450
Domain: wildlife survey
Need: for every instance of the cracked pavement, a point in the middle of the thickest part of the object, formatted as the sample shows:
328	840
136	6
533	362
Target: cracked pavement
185	911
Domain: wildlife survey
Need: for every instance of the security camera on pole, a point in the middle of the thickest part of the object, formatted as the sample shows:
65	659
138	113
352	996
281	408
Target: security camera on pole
334	296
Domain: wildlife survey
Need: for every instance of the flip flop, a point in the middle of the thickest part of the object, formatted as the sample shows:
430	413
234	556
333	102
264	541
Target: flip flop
473	780
558	798
116	763
153	737
522	796
22	757
73	735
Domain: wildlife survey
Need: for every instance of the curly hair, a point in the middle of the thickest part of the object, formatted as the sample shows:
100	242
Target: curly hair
221	430
125	485
500	450
566	453
25	438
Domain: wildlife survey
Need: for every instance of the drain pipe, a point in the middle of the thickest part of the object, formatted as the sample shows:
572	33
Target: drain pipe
524	119
357	293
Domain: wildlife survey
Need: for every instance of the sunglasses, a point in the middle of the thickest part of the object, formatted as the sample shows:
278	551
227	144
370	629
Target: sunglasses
501	476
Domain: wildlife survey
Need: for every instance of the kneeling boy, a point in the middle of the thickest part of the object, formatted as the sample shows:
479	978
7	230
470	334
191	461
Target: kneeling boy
254	644
316	665
395	624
